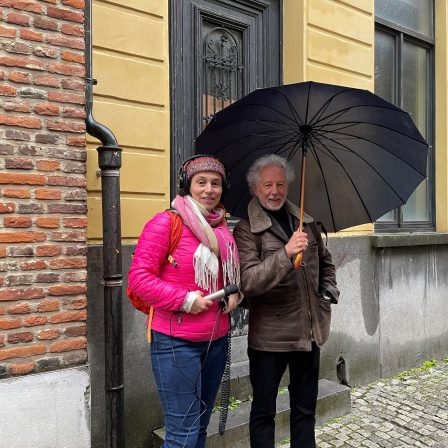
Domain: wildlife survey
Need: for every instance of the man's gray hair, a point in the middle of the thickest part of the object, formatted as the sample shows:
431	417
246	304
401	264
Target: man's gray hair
253	175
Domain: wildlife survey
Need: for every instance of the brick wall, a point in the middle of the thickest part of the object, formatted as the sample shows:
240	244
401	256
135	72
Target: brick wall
42	186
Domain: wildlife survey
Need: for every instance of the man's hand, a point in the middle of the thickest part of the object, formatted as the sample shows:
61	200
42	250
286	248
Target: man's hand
232	302
297	243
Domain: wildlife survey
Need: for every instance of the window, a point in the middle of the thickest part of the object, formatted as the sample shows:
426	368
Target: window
404	75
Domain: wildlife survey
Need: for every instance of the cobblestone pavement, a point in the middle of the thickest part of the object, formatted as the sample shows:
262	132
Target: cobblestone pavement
410	410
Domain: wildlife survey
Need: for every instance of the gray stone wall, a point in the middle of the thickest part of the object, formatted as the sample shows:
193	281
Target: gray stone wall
391	317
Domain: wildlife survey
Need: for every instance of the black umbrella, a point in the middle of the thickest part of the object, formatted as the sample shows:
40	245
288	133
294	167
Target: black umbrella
364	156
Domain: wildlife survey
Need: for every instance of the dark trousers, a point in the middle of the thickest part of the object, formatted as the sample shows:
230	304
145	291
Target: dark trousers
266	371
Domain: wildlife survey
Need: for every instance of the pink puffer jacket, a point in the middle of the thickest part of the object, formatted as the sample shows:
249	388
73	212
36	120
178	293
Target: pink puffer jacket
165	287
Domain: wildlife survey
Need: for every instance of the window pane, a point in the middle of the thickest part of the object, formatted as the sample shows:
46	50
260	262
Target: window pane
415	15
415	102
223	69
385	78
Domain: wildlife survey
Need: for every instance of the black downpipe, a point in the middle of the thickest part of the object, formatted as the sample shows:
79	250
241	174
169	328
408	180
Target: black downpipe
109	161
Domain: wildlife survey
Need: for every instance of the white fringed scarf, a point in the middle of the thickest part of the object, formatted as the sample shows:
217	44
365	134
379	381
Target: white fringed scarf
216	243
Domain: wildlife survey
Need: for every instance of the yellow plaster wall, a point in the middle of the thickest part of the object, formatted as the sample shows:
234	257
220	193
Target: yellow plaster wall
130	62
441	137
330	41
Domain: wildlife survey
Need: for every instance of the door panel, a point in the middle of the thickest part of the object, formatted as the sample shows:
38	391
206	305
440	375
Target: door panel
220	51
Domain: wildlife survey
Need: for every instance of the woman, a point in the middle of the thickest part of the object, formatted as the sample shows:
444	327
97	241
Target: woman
189	332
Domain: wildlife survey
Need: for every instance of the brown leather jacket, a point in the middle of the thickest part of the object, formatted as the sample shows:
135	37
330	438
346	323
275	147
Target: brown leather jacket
285	310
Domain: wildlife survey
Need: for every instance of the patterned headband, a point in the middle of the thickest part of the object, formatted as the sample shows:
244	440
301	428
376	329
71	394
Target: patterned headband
205	164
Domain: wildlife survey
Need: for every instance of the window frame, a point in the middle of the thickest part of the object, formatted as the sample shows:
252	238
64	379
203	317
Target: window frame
402	35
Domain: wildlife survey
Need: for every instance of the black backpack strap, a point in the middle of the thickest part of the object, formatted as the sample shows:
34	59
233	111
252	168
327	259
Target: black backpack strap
315	230
257	237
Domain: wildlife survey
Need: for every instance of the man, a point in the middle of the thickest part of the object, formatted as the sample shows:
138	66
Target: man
289	308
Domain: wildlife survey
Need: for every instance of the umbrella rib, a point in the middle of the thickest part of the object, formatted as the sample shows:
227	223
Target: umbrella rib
316	157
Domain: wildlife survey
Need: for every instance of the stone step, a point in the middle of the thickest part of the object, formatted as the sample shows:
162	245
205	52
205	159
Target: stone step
333	401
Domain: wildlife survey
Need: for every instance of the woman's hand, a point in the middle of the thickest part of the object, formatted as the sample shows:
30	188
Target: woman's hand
200	304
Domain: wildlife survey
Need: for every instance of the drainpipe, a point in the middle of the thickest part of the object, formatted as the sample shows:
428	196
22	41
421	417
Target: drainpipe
109	161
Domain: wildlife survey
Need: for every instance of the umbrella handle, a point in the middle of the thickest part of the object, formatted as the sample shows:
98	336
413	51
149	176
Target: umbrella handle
298	260
299	256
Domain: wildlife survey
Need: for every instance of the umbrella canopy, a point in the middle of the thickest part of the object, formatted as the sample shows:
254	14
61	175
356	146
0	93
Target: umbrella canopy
364	156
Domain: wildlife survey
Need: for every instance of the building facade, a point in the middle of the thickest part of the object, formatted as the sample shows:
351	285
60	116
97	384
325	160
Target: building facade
163	68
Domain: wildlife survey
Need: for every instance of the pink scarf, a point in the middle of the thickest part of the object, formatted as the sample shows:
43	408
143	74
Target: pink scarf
216	241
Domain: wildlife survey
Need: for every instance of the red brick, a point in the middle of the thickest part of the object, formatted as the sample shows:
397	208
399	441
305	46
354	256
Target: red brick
19	280
31	35
46	80
79	4
73	57
69	236
65	346
48	251
18	19
16	338
46	52
47	277
3	252
68	42
76	141
22	352
19	164
62	290
22	294
45	24
8	91
71	112
49	334
18	193
34	321
23	122
47	306
80	330
9	324
47	194
68	317
65	14
48	223
20	77
15	106
7	32
32	64
75	222
34	265
47	109
22	179
75	304
7	207
73	84
66	181
68	263
22	368
48	165
59	97
74	277
27	5
20	308
17	222
64	126
22	237
73	30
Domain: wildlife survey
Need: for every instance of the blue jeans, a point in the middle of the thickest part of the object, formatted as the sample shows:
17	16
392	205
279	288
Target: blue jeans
266	371
188	376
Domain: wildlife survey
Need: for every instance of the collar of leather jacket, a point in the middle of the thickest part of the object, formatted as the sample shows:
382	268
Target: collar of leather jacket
260	221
